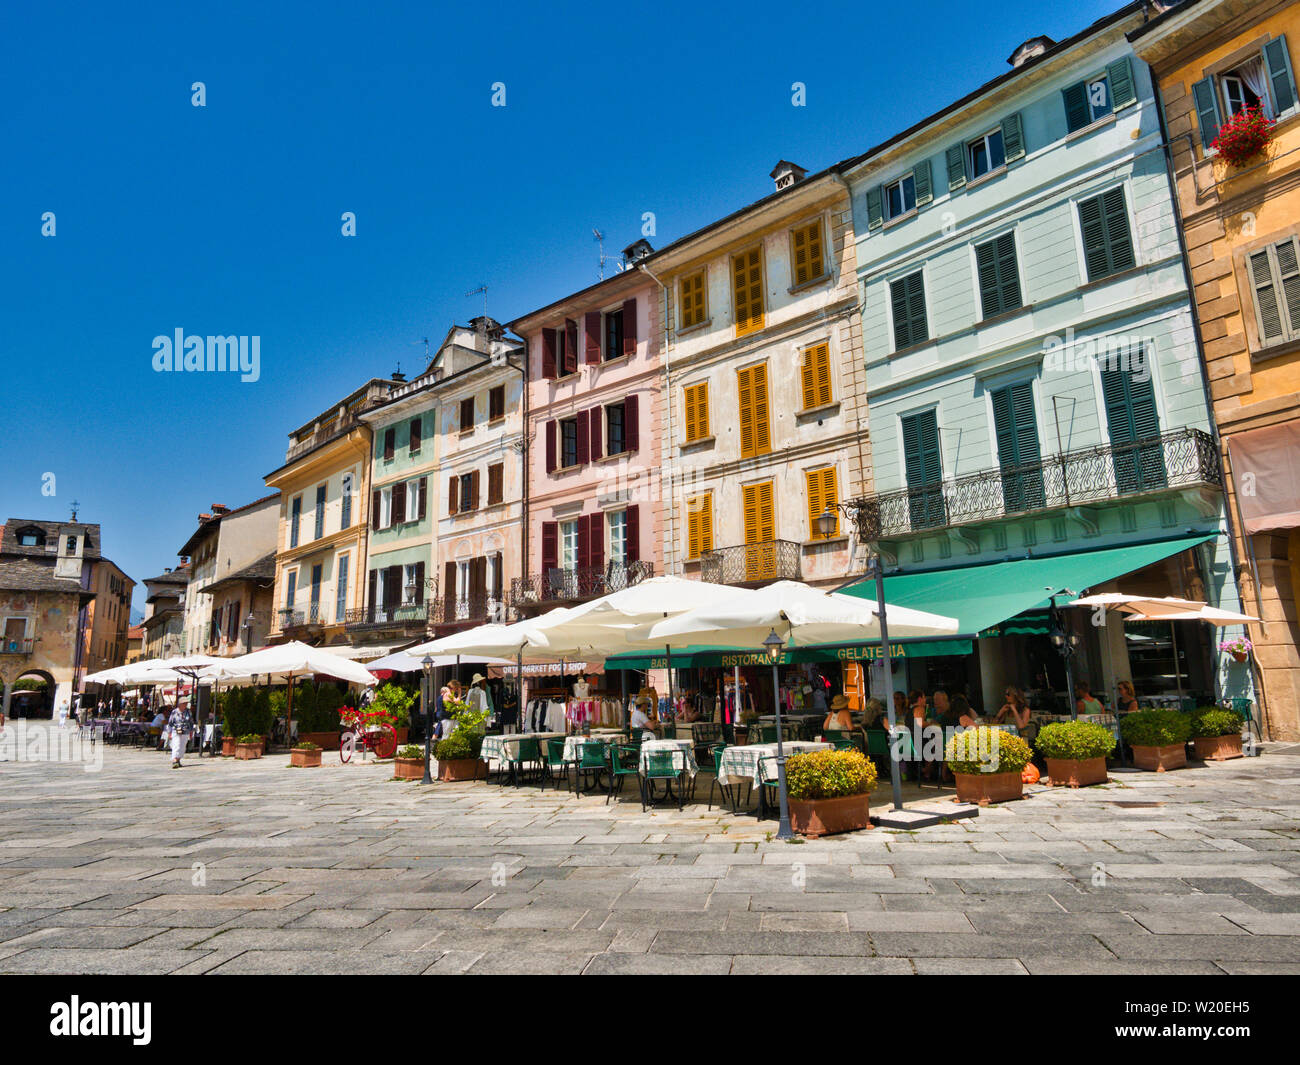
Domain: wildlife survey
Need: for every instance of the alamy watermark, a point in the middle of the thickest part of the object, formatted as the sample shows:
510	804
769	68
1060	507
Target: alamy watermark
180	353
19	743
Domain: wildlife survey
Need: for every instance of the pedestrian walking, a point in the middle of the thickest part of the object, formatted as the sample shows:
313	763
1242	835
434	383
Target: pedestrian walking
180	725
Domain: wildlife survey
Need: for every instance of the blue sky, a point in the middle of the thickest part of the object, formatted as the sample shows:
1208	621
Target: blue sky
225	219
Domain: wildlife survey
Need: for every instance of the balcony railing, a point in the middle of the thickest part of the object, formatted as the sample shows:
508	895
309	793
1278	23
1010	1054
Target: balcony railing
576	585
410	617
16	647
476	608
1183	458
761	563
320	436
312	614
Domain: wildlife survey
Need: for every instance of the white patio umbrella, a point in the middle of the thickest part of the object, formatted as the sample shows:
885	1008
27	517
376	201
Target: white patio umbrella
406	662
1212	614
1151	606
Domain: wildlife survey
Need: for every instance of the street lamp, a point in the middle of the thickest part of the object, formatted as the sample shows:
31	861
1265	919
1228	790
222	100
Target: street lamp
773	646
826	522
249	622
1066	643
426	669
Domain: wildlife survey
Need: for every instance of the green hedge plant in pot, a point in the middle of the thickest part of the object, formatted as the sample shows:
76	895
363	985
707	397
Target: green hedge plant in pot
305	755
249	745
986	764
409	762
829	792
1158	738
1075	751
458	754
1216	734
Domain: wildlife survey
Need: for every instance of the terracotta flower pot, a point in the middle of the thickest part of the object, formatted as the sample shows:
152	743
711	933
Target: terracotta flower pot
1170	756
408	768
245	751
1218	748
1240	656
825	817
460	769
304	759
984	788
227	746
1076	772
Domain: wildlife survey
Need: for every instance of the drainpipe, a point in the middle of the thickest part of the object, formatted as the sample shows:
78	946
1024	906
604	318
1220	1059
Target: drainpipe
524	478
669	539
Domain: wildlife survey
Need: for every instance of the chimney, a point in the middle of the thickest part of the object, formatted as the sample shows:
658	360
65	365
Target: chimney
398	375
220	508
636	251
786	173
204	517
1031	49
487	327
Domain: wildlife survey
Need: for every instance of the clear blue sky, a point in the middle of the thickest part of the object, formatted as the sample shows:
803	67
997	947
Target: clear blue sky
226	219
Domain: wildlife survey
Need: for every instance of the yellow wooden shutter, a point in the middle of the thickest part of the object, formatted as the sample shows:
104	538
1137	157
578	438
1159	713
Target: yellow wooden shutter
822	490
688	401
751	513
692	296
807	245
699	525
816	376
747	290
744	384
760	532
696	402
762	428
706	523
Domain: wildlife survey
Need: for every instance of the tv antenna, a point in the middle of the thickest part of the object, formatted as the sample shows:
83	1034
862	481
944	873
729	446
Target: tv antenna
600	239
474	292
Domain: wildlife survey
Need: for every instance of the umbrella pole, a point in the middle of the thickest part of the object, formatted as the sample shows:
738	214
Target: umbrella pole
1178	670
672	697
783	830
895	740
622	673
288	714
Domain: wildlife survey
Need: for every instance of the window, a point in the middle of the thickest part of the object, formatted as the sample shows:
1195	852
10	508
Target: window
1086	102
568	442
1275	282
29	539
385	507
345	518
467	414
414	436
1018	452
497	403
316	571
900	197
907	300
568	545
699	525
999	279
924	467
614	334
410	584
755	432
985	154
617	522
568	348
693	309
806	252
390	443
615	441
697	411
1132	419
1107	246
760	531
747	291
467	500
816	373
320	511
295	514
496	483
1265	81
341	605
823	492
291	589
413	500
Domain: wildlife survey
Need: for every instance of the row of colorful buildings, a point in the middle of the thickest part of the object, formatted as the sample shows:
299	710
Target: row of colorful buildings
1045	339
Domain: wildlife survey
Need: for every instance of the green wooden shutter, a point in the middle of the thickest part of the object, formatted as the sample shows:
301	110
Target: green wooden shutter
875	207
1118	239
999	279
1123	89
1133	420
1018	452
1206	102
924	182
1013	138
1280	75
907	297
986	264
924	468
1077	113
1107	244
956	167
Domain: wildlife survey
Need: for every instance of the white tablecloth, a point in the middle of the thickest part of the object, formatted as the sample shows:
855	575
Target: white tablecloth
756	762
683	752
497	746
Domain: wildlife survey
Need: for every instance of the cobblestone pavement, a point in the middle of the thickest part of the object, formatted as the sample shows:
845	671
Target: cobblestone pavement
252	867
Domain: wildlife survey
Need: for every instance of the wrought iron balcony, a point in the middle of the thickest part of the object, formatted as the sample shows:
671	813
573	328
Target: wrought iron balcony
576	585
1183	458
314	614
408	617
16	647
478	608
761	563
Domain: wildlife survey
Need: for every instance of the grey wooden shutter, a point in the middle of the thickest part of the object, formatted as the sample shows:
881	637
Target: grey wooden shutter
875	207
1018	452
924	182
1288	272
1268	309
1123	89
1013	138
1206	101
956	167
1077	112
1280	75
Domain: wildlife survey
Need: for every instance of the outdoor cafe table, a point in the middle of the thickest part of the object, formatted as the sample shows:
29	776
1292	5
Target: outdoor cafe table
683	753
573	744
496	746
748	762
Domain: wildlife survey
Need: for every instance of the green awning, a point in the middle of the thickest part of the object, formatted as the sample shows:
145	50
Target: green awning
714	656
983	596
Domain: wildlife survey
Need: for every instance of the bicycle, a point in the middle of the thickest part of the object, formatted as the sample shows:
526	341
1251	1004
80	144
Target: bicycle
371	732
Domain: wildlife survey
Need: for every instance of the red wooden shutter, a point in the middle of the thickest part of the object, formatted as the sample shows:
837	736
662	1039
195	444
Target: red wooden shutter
399	502
550	546
424	492
390	442
499	579
449	592
415	434
596	541
372	586
592	329
570	346
629	327
584	436
374	509
597	432
548	353
584	542
419	582
631	430
634	533
473	490
453	491
550	446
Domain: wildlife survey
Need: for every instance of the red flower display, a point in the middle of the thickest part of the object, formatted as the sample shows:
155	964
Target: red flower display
1244	136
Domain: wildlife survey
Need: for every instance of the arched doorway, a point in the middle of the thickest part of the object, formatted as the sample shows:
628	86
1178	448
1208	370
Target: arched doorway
31	694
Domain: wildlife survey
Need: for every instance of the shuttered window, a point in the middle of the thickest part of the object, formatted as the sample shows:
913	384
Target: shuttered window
1089	101
924	465
497	403
806	252
692	300
1018	453
907	300
816	376
822	492
1275	282
696	401
747	290
755	431
496	478
760	532
1133	420
699	525
998	275
1107	242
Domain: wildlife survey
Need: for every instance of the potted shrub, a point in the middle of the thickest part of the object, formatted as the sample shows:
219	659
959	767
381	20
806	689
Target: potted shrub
986	764
249	745
1244	136
1216	734
1075	751
1158	738
1239	648
829	792
409	763
396	702
227	746
458	754
305	755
